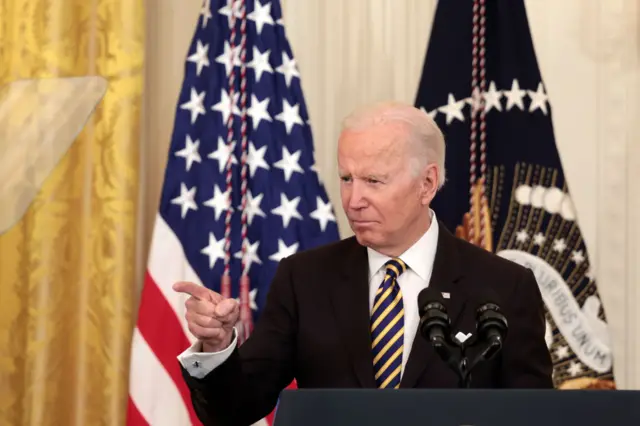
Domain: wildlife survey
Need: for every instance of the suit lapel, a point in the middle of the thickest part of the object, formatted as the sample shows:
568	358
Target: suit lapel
350	300
446	272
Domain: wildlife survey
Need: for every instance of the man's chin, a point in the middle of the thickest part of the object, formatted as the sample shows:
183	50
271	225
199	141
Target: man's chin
365	238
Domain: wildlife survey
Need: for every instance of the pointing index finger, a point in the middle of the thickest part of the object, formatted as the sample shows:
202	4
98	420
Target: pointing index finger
193	289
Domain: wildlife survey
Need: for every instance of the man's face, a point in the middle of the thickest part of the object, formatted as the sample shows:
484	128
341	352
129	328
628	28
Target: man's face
383	200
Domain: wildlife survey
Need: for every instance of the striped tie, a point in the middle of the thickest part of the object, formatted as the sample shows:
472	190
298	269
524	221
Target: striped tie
387	327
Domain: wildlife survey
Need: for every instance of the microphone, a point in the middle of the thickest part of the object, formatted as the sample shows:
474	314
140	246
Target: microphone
434	320
435	325
492	328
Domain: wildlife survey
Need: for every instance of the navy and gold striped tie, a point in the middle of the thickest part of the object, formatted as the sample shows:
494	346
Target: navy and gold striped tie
387	327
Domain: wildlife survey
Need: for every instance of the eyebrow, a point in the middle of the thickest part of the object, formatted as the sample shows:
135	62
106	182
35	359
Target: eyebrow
384	176
378	177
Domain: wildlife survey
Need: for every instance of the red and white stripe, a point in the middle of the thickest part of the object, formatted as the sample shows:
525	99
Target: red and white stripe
158	395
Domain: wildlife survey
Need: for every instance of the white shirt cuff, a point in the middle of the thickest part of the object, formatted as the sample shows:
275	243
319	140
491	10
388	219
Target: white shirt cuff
198	364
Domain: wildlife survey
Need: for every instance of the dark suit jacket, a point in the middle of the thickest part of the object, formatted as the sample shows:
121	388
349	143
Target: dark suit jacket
315	328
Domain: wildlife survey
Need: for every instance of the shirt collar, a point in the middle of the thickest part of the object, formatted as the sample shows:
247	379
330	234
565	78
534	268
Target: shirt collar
419	257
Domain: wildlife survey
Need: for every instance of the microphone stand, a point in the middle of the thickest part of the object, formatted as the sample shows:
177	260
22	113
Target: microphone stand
465	370
456	359
461	364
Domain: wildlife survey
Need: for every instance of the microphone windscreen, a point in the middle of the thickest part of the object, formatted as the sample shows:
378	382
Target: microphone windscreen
429	295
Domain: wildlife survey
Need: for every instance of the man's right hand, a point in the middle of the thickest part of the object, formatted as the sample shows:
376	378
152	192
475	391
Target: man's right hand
210	316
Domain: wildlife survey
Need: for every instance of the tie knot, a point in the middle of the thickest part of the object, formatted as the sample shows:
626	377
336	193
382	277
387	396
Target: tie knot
395	267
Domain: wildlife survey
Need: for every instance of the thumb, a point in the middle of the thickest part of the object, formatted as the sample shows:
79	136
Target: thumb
226	309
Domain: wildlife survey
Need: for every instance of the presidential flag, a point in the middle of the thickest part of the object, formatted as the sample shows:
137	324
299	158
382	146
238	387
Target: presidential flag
241	192
506	190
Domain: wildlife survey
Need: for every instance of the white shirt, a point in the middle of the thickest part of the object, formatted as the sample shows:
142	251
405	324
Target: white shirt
419	260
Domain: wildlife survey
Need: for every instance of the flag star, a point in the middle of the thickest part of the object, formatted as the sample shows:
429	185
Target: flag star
250	254
538	99
258	110
206	13
224	105
253	206
539	239
229	58
562	352
201	57
590	274
190	152
260	63
186	199
261	15
226	10
288	68
522	236
515	96
492	98
252	299
287	209
195	104
577	256
255	158
290	115
280	22
222	154
220	201
431	113
574	368
323	213
215	250
559	245
453	109
284	251
289	163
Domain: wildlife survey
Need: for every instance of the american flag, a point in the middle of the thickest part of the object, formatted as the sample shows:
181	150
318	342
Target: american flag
241	133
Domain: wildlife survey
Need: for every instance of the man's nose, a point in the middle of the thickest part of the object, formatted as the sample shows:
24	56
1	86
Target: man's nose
357	199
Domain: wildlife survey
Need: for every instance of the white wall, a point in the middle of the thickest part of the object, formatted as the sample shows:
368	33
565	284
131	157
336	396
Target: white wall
358	51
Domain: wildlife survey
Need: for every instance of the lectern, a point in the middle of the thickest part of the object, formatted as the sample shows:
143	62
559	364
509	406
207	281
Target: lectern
458	407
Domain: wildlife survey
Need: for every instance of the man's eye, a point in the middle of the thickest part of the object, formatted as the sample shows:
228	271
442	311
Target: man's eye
370	180
345	178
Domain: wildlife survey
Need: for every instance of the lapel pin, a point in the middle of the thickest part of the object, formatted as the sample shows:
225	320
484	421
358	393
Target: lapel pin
462	337
446	295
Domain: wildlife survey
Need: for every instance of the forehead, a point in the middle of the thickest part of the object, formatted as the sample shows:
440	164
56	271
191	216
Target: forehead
380	142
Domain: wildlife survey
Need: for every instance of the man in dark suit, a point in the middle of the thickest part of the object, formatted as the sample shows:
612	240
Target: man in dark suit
345	315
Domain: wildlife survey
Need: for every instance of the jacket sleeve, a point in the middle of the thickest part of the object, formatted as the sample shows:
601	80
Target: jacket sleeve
245	388
526	361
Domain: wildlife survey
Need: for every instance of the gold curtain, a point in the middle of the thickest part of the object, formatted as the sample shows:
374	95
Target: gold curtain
70	104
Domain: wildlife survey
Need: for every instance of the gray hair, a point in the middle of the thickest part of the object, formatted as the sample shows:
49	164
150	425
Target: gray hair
425	137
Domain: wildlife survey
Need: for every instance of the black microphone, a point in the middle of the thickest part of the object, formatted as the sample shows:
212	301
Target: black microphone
434	320
491	325
435	325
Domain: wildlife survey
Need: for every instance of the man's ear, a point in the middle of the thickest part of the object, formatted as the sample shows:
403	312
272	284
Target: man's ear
429	184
